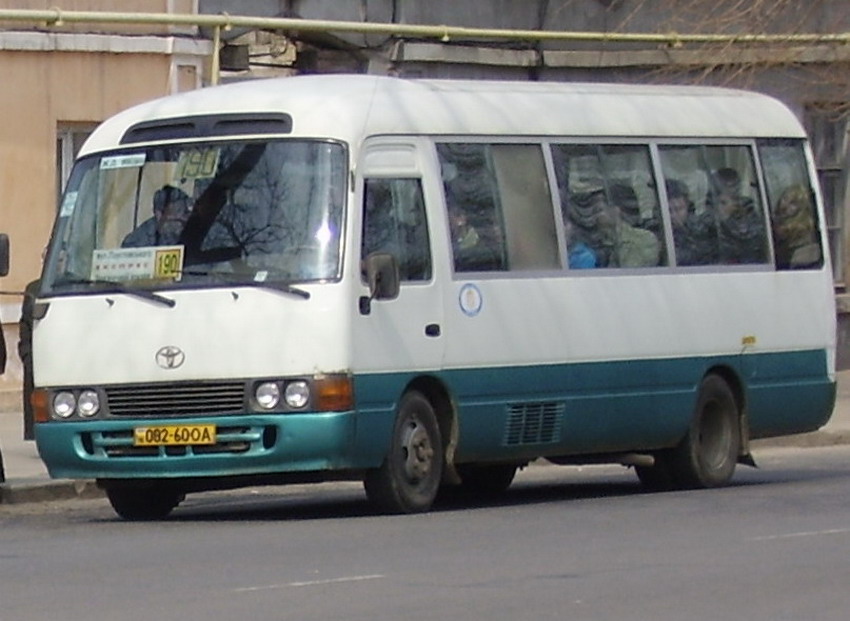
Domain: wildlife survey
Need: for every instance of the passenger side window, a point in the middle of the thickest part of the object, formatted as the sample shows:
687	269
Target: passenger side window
394	221
796	238
610	206
715	205
499	207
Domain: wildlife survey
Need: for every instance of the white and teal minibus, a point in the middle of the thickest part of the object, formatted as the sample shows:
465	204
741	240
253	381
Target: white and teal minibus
424	283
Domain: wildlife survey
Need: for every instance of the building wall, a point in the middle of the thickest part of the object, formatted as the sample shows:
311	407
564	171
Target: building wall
70	88
123	6
71	76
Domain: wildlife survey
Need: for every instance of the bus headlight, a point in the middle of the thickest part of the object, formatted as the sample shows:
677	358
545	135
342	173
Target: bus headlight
297	394
267	395
64	404
88	404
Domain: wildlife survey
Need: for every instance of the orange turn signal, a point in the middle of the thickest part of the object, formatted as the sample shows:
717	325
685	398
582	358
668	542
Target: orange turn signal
334	393
40	402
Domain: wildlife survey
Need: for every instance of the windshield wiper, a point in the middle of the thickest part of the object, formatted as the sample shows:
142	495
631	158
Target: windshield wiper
121	288
270	285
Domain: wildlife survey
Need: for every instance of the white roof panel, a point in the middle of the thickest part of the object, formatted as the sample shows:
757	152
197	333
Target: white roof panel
352	107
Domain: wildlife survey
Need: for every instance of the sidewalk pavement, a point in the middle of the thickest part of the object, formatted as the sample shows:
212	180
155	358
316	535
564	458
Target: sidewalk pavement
27	479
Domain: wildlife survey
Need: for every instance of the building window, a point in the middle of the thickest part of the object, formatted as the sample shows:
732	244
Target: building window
69	139
827	126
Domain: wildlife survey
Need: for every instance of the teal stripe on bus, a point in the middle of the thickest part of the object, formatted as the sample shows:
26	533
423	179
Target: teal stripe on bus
599	407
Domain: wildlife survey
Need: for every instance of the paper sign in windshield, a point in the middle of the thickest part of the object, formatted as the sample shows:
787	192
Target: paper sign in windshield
68	204
150	262
133	160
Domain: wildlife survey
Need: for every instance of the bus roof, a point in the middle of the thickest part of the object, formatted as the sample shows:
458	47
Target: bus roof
352	107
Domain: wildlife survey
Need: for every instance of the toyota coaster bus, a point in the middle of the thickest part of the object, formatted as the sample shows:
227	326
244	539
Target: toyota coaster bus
421	283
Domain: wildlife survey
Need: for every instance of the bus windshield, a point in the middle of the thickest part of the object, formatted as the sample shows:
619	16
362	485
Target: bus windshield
201	214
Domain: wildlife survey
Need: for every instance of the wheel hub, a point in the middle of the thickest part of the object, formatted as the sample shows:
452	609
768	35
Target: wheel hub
418	452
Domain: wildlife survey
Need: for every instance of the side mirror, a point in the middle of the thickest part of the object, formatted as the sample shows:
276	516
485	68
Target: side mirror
382	274
4	254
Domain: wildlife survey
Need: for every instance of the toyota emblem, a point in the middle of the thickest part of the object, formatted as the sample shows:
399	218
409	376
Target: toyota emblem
170	357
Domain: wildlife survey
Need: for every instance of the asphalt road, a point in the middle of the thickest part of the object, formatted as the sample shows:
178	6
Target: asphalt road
563	543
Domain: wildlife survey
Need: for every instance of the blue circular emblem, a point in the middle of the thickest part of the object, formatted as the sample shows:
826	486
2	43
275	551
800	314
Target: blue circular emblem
470	300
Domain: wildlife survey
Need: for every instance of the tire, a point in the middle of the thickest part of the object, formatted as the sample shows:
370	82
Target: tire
143	503
486	480
409	478
706	457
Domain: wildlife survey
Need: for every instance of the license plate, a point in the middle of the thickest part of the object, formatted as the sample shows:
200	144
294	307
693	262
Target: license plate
174	435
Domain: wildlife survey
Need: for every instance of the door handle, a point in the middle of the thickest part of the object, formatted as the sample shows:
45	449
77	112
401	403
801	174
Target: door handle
432	329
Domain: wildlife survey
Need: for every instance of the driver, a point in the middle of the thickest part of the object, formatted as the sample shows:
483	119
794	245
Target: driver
171	209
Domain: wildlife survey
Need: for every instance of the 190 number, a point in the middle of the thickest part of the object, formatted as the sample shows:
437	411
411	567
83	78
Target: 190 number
168	263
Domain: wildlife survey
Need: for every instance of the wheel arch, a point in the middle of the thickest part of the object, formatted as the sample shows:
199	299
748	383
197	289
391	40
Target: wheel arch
733	379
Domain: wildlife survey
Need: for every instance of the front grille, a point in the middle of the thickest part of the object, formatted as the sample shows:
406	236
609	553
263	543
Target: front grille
533	423
197	398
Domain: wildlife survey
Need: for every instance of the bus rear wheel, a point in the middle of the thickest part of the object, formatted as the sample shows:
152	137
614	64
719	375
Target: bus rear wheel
706	457
409	478
143	503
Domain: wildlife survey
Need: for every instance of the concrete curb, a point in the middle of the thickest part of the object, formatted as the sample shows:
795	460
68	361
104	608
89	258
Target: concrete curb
814	439
29	491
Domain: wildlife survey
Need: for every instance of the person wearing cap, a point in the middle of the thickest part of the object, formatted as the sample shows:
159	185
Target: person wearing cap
589	227
471	251
171	209
625	198
636	245
740	224
694	235
477	239
602	228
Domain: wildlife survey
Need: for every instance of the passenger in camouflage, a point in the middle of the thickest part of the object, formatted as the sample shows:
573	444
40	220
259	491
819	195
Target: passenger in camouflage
795	236
740	224
694	235
602	228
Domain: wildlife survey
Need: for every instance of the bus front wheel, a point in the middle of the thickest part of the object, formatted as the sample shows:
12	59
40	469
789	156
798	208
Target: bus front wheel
143	503
409	478
706	457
